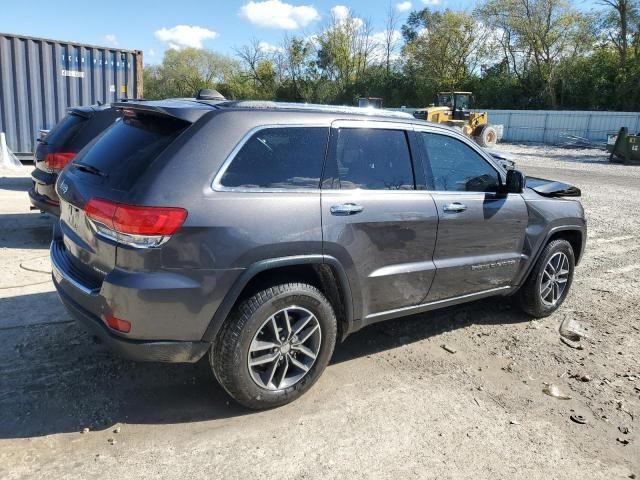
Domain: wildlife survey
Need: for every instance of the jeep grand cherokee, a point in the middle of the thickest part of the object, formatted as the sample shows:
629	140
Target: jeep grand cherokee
259	234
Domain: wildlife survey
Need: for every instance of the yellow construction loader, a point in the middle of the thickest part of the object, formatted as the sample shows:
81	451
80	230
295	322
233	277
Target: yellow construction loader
453	108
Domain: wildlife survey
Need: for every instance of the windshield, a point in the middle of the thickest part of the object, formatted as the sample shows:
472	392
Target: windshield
463	102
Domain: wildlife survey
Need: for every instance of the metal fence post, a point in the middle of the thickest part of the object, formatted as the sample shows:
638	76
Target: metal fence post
588	130
544	129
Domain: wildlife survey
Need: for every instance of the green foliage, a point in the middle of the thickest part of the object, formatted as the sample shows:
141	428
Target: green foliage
183	72
510	53
443	50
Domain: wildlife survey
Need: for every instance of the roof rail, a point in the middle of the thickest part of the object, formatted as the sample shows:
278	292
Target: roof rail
270	105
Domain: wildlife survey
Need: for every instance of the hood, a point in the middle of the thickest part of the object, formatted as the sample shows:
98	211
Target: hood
552	188
505	160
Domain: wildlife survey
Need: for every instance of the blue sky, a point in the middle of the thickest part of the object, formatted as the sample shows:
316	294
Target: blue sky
153	26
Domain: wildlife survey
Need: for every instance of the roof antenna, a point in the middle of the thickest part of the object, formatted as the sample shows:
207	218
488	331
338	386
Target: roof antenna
209	94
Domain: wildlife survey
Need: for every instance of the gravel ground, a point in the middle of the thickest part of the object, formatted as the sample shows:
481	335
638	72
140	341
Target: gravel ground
393	403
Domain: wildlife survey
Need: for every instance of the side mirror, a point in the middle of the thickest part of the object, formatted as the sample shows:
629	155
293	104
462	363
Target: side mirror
515	181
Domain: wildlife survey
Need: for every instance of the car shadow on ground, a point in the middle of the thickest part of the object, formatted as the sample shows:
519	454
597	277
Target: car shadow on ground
56	379
26	230
395	333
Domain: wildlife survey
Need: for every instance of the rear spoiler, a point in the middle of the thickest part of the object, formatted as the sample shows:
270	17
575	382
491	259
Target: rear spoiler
189	112
80	111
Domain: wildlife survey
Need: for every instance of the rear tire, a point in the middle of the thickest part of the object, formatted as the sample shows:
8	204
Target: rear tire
248	337
549	282
487	137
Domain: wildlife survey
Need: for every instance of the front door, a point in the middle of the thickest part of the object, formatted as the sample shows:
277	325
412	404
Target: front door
374	220
480	231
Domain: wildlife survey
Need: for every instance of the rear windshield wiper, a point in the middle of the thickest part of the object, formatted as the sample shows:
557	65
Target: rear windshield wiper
89	169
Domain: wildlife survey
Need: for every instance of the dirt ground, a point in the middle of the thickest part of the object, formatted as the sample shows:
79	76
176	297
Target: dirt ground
393	403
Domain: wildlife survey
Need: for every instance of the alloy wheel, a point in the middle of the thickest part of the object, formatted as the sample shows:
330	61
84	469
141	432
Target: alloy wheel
554	279
284	348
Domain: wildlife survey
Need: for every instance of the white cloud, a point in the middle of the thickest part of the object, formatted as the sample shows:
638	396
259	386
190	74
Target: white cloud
342	14
403	6
151	52
432	2
183	36
110	40
276	14
269	48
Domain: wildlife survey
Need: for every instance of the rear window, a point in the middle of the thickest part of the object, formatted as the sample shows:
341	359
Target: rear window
125	151
280	158
64	131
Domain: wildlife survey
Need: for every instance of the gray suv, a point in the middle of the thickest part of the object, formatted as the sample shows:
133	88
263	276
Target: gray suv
259	234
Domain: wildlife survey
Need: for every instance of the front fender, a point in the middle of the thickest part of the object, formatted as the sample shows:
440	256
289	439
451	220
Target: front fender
539	240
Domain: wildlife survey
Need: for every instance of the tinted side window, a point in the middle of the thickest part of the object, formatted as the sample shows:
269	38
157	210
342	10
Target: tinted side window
279	158
374	159
454	166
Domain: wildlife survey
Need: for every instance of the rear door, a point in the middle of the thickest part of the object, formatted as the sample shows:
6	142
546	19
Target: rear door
480	231
375	219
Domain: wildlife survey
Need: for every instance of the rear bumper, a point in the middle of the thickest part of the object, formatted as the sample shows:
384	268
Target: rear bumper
43	192
138	350
156	325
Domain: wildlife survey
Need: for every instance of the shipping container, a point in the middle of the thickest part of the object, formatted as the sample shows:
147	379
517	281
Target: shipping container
41	78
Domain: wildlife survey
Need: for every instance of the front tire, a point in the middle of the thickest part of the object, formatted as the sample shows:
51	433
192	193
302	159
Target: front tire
275	345
488	137
549	282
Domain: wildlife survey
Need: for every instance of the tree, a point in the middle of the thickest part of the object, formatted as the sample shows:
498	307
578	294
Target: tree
443	50
259	67
535	36
390	37
184	72
510	53
621	27
302	78
344	50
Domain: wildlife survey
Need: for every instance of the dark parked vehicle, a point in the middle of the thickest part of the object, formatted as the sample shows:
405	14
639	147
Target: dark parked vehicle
259	234
60	145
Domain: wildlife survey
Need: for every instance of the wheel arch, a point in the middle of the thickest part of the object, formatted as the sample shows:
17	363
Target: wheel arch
574	234
322	271
574	237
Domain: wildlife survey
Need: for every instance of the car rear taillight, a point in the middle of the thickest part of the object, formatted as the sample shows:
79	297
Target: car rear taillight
140	227
117	323
57	161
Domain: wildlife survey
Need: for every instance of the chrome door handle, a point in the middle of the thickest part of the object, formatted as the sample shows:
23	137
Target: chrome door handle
454	207
346	209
